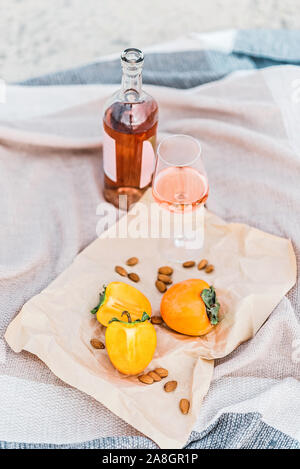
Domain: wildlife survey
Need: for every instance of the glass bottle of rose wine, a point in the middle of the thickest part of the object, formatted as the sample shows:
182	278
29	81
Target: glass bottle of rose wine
130	124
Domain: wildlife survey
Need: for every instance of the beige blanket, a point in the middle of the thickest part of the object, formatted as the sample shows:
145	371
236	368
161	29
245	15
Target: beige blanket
251	151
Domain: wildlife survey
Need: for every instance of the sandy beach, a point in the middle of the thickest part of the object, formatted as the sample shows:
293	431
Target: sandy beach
38	37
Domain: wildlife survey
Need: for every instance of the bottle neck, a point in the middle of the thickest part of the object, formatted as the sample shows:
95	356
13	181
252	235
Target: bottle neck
132	83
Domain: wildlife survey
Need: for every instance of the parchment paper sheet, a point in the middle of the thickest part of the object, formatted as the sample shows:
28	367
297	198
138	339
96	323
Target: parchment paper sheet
253	271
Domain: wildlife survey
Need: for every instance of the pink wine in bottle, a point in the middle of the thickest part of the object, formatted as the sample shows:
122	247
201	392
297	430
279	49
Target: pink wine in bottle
129	141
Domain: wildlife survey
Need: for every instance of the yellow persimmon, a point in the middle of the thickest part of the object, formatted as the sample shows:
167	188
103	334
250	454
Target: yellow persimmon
186	305
130	344
118	297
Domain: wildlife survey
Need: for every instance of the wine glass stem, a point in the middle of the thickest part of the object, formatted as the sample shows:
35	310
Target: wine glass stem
179	241
189	229
182	230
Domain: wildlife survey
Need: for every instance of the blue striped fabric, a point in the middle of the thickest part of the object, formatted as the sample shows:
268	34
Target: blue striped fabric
230	431
251	50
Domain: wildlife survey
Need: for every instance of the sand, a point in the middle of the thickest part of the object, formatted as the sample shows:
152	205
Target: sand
41	36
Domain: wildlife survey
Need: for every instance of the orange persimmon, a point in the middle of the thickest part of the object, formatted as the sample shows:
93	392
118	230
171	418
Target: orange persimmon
130	344
183	309
117	297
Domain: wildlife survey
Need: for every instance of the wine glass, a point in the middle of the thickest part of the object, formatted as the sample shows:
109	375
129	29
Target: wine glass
180	185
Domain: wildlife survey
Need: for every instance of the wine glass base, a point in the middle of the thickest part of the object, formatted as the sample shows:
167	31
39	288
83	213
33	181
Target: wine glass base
179	251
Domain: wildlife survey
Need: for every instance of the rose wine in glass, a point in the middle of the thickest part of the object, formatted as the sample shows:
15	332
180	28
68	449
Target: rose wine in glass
180	188
180	185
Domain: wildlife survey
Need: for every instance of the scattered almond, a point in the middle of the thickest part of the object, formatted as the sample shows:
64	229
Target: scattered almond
161	286
166	270
164	278
202	264
134	277
184	406
155	376
121	271
97	344
162	372
132	261
170	386
156	320
146	379
210	268
188	264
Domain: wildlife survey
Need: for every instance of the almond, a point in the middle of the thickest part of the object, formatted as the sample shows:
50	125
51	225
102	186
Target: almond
184	406
164	278
156	320
170	386
162	372
166	270
202	264
146	379
155	376
97	344
121	271
188	264
134	277
161	286
132	261
210	268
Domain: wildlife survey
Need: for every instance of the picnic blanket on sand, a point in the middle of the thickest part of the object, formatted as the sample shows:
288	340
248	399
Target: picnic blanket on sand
51	180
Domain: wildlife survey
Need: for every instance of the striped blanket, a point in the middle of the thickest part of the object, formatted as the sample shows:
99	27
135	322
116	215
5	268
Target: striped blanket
247	85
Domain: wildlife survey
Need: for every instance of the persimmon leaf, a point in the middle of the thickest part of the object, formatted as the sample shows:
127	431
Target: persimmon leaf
212	306
101	300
